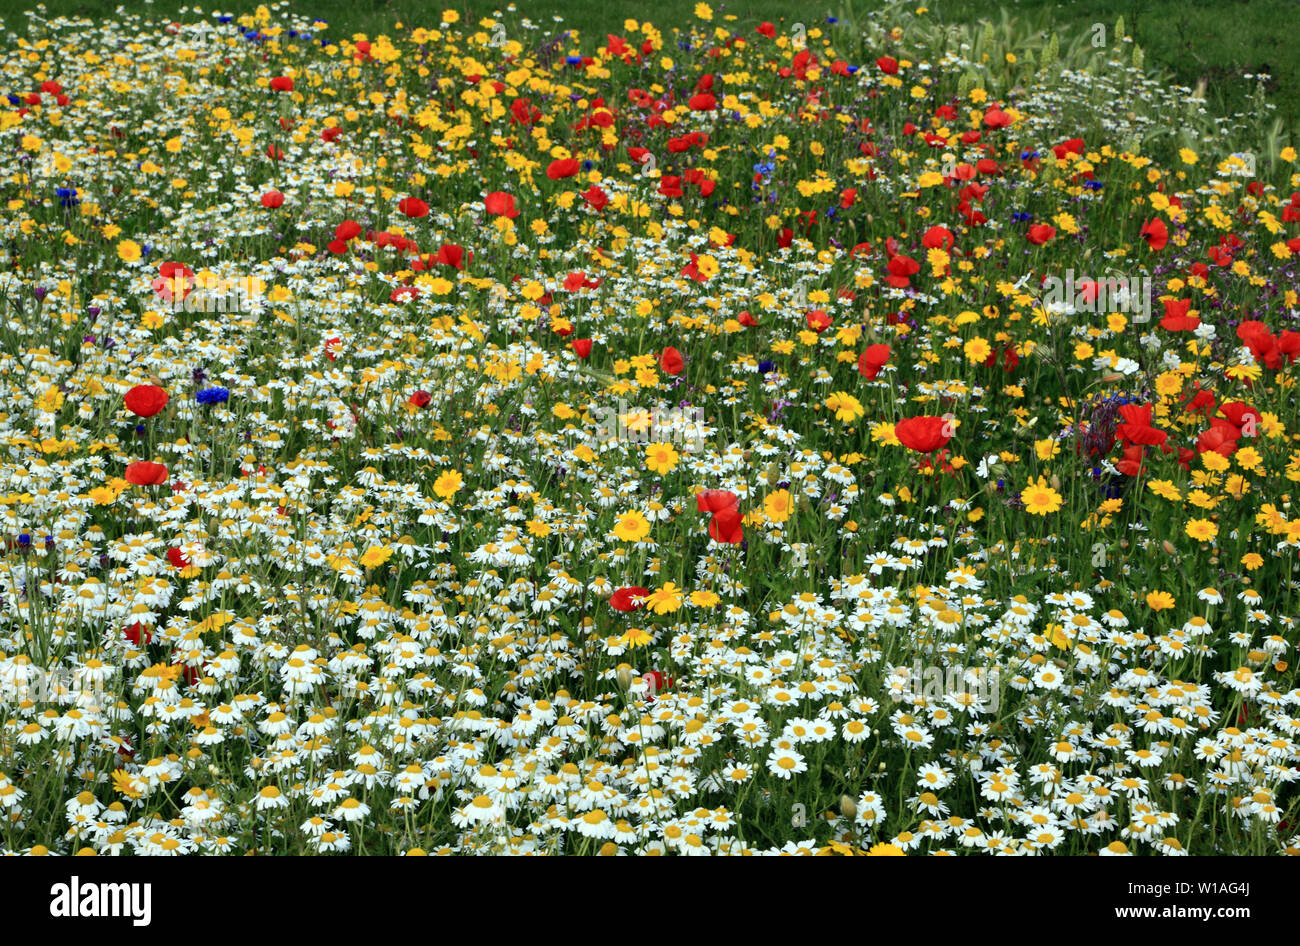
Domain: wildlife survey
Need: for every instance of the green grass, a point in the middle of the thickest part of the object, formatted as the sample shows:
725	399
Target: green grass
1211	41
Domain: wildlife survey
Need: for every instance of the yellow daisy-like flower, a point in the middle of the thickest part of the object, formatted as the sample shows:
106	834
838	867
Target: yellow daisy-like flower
448	484
665	600
777	505
1039	498
704	599
846	407
636	637
661	458
631	527
885	850
1202	530
1160	600
375	556
128	251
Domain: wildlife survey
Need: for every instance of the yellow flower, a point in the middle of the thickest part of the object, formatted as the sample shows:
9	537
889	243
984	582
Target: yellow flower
124	784
977	350
635	637
128	251
846	407
1202	530
777	505
660	458
375	556
1039	498
704	599
1252	561
885	850
448	484
631	527
665	600
1159	600
51	400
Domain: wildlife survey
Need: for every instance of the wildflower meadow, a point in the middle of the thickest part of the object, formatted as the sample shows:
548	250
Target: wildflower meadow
858	435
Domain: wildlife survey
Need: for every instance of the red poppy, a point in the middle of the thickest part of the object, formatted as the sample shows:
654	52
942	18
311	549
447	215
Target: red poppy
562	168
1176	318
420	399
347	230
138	634
596	198
725	526
670	185
745	319
1131	465
144	473
1220	438
1155	233
622	599
145	400
272	199
281	84
413	207
996	118
451	254
818	320
1241	415
1040	233
900	269
500	204
656	682
703	102
715	500
872	360
581	347
177	558
888	65
671	361
938	238
924	434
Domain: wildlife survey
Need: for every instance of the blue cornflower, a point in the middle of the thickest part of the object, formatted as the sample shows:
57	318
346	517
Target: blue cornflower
1022	216
1093	185
68	196
573	60
764	367
213	396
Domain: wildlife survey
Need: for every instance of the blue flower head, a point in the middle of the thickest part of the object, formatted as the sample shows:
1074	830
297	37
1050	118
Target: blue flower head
213	396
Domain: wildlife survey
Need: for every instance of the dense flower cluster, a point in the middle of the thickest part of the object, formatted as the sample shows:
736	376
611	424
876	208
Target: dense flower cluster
479	439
